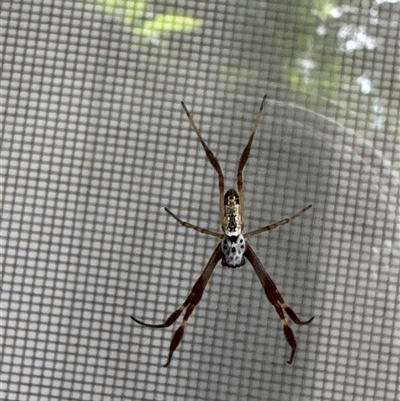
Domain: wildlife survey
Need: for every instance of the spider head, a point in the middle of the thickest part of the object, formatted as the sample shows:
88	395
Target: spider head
232	219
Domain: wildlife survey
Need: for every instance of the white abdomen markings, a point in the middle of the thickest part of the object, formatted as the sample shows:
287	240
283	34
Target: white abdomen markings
233	249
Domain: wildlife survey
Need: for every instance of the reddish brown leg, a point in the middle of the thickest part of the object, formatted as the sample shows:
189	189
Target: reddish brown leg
190	303
244	157
213	160
276	299
197	228
272	226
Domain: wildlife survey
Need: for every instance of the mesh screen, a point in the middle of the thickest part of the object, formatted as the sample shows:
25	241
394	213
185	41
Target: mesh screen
95	144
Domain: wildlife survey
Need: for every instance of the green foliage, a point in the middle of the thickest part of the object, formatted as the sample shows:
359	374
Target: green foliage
132	12
169	23
314	70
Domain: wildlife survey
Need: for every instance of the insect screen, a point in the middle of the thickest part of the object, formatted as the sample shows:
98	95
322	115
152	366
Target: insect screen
95	144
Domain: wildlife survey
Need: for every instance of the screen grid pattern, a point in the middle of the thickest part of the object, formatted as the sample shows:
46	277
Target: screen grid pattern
95	145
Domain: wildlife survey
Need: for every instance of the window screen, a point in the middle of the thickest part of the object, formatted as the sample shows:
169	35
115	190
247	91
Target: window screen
95	144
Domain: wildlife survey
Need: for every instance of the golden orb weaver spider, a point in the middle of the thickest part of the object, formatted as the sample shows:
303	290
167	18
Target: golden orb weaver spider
233	249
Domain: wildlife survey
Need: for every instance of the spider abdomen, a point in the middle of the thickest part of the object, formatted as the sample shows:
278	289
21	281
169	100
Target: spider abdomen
232	220
233	248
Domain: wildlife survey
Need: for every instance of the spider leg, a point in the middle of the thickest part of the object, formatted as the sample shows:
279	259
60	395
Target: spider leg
214	161
276	299
197	228
272	226
191	301
245	156
174	316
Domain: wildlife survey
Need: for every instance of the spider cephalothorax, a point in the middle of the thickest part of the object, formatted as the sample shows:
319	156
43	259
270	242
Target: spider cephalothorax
233	249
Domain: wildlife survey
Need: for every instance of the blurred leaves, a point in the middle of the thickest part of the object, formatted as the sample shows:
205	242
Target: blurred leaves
133	14
313	69
169	23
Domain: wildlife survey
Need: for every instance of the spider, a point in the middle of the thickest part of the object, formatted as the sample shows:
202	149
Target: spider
233	249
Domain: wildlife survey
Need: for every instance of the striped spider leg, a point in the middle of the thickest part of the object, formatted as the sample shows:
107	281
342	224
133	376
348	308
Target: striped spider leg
233	248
